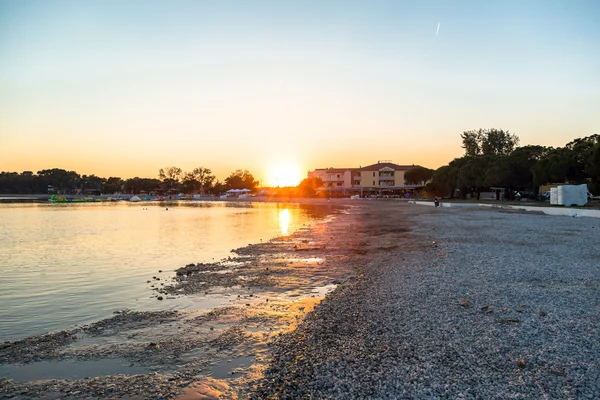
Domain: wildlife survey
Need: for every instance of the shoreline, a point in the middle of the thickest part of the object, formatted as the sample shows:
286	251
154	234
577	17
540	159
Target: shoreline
221	349
453	302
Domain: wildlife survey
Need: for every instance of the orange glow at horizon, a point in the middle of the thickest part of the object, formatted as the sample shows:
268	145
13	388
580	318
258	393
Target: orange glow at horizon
284	174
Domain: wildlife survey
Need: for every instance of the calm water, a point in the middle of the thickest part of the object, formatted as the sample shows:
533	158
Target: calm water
63	265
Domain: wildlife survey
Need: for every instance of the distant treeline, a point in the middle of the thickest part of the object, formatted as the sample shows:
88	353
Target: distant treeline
170	179
492	159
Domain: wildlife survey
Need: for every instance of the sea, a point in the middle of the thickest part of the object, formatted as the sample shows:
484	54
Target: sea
65	265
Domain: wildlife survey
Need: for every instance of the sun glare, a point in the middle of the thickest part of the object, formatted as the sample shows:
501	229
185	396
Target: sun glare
284	174
284	221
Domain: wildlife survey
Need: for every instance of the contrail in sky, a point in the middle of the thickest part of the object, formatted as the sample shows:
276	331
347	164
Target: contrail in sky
438	29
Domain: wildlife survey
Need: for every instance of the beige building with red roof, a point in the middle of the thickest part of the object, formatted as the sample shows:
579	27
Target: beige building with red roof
384	177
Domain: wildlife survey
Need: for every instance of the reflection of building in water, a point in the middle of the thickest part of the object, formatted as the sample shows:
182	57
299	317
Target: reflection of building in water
383	178
284	221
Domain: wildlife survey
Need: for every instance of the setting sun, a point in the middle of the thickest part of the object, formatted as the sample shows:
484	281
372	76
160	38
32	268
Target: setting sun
285	174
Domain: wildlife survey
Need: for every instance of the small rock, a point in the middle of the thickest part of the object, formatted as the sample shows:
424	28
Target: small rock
542	314
159	298
465	303
521	363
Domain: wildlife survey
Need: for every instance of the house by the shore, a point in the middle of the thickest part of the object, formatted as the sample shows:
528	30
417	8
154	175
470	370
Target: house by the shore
383	178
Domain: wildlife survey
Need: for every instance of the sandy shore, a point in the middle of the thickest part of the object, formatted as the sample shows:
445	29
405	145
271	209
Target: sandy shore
430	303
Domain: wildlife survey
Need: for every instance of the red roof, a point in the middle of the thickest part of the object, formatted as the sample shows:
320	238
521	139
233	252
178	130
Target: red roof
395	167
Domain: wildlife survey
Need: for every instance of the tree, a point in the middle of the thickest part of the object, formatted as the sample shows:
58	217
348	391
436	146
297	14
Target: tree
441	182
308	187
241	179
418	175
170	176
113	185
472	174
137	184
60	179
203	178
486	142
218	187
91	182
471	142
592	167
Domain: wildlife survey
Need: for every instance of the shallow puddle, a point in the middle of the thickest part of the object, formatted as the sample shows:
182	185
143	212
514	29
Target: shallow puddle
225	367
69	369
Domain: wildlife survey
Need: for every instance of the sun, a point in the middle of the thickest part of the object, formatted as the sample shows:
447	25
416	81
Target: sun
285	174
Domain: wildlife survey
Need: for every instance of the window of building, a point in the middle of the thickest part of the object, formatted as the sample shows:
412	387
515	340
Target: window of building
339	183
373	173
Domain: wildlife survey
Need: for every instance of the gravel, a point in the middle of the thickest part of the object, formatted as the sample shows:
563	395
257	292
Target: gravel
430	303
474	303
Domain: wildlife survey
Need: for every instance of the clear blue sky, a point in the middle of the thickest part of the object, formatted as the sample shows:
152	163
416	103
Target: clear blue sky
127	87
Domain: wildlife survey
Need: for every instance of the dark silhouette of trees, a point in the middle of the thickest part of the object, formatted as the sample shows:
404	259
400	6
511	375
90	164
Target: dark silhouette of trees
418	175
170	177
198	180
60	179
137	184
241	179
308	187
491	160
113	185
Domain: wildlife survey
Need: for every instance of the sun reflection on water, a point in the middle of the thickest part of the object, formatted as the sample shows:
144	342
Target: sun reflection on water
284	221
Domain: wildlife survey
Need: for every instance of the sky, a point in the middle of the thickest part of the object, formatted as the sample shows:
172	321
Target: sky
124	88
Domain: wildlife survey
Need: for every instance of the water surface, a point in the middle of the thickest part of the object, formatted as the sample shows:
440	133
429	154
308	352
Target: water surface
64	265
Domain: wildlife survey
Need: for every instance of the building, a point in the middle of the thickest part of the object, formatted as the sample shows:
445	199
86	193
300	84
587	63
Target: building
380	179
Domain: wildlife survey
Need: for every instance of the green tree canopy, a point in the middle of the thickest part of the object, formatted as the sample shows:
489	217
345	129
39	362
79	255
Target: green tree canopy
418	175
487	142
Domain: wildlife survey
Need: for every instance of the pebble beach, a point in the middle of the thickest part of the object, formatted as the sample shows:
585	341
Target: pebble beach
471	303
476	303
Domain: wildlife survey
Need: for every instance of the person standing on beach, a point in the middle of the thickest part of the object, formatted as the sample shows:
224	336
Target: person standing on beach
436	201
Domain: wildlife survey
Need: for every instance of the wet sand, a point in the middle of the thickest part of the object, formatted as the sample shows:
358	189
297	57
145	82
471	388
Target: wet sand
268	288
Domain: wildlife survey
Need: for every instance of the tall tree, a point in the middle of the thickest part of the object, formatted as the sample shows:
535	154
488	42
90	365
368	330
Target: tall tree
204	177
170	176
418	175
487	142
241	179
113	185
